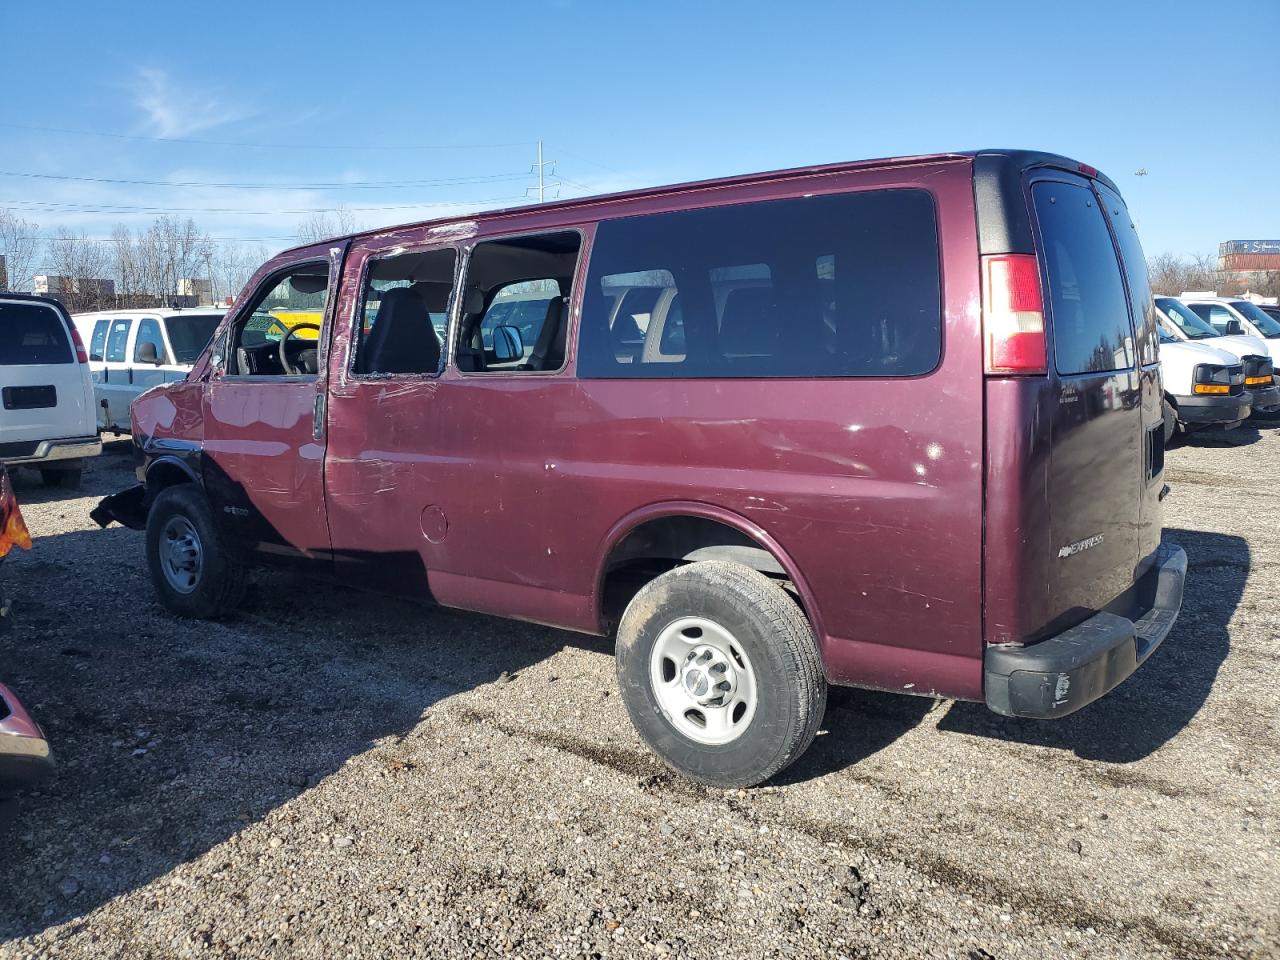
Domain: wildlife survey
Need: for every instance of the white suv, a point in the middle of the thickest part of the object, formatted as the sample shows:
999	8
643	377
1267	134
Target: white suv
46	397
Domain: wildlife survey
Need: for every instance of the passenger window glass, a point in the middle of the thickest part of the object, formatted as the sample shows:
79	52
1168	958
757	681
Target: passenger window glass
515	304
835	286
1219	317
118	341
404	313
280	334
148	332
32	333
98	342
1135	268
1091	331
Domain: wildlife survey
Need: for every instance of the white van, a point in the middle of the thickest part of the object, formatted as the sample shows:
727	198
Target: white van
46	397
1180	321
1203	386
1235	315
133	350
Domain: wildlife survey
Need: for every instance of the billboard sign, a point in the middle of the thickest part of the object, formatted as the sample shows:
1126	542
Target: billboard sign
1249	246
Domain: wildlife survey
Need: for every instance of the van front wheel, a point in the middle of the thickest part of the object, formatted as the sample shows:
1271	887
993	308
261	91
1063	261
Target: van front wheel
193	573
720	673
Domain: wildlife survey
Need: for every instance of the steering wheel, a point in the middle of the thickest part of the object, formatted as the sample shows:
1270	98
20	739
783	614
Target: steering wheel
285	365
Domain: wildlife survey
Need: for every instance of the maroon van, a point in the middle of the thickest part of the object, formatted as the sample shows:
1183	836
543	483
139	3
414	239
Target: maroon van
891	424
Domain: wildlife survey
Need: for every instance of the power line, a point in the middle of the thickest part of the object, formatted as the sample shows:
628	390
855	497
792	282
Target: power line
331	185
58	239
88	207
271	146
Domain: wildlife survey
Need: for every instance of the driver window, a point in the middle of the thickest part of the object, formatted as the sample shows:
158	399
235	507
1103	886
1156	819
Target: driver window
280	334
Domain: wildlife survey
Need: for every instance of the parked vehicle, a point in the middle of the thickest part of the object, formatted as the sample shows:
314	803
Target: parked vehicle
46	398
1180	321
1233	316
131	351
24	751
762	433
1271	310
1203	386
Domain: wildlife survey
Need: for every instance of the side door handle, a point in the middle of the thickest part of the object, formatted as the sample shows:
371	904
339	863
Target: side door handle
317	417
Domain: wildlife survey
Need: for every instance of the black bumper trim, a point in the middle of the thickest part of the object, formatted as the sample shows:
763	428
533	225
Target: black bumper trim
1210	409
1265	400
1060	675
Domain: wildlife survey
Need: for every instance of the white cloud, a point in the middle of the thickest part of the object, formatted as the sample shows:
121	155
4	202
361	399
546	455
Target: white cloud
172	111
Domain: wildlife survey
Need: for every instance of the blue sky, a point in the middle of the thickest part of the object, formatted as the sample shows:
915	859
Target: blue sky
291	96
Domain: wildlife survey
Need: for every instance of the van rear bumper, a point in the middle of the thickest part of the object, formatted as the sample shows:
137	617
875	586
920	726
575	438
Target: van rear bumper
1060	675
47	451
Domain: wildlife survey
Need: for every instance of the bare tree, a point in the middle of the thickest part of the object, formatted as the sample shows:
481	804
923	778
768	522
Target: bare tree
322	226
84	266
19	244
1171	274
231	267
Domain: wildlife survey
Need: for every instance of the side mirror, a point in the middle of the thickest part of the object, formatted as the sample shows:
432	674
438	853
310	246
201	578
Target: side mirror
147	353
1234	328
507	344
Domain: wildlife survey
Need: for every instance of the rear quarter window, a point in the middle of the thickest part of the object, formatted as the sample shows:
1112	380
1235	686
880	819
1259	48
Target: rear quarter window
846	285
32	333
1088	307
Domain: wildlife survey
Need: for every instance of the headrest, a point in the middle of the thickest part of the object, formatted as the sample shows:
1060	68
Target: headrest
434	293
474	302
750	325
309	282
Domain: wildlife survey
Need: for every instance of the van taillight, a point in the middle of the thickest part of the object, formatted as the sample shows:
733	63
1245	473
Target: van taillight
1013	314
81	356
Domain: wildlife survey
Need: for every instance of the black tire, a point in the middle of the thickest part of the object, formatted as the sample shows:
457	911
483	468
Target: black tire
68	479
1170	421
778	643
219	584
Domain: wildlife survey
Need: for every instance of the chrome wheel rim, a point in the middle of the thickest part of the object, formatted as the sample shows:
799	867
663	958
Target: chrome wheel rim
181	554
703	681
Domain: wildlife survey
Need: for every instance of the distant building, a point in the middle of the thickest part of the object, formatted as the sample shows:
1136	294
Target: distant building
79	291
4	273
195	291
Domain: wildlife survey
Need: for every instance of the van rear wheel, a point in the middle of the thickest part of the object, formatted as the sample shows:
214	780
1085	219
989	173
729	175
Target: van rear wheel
720	673
193	572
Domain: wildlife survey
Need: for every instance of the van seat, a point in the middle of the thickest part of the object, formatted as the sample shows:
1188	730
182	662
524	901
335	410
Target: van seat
402	339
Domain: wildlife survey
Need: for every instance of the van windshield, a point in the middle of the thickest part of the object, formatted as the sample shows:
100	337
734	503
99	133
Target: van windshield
31	333
189	332
1187	322
1267	325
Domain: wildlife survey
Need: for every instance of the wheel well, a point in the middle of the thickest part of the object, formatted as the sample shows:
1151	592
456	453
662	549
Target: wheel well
164	474
658	545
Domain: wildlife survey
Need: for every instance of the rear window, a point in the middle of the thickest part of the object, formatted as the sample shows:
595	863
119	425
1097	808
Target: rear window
1135	268
189	333
834	286
31	333
1091	331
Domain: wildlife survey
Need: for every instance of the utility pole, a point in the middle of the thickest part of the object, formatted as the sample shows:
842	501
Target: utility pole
541	167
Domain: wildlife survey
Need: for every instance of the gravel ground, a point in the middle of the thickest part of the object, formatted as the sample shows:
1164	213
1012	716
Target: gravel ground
333	774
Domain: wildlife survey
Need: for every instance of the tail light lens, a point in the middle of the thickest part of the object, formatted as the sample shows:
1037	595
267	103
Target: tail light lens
1013	314
81	356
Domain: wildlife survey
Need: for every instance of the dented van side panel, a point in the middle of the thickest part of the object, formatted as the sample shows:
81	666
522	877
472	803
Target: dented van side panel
505	494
